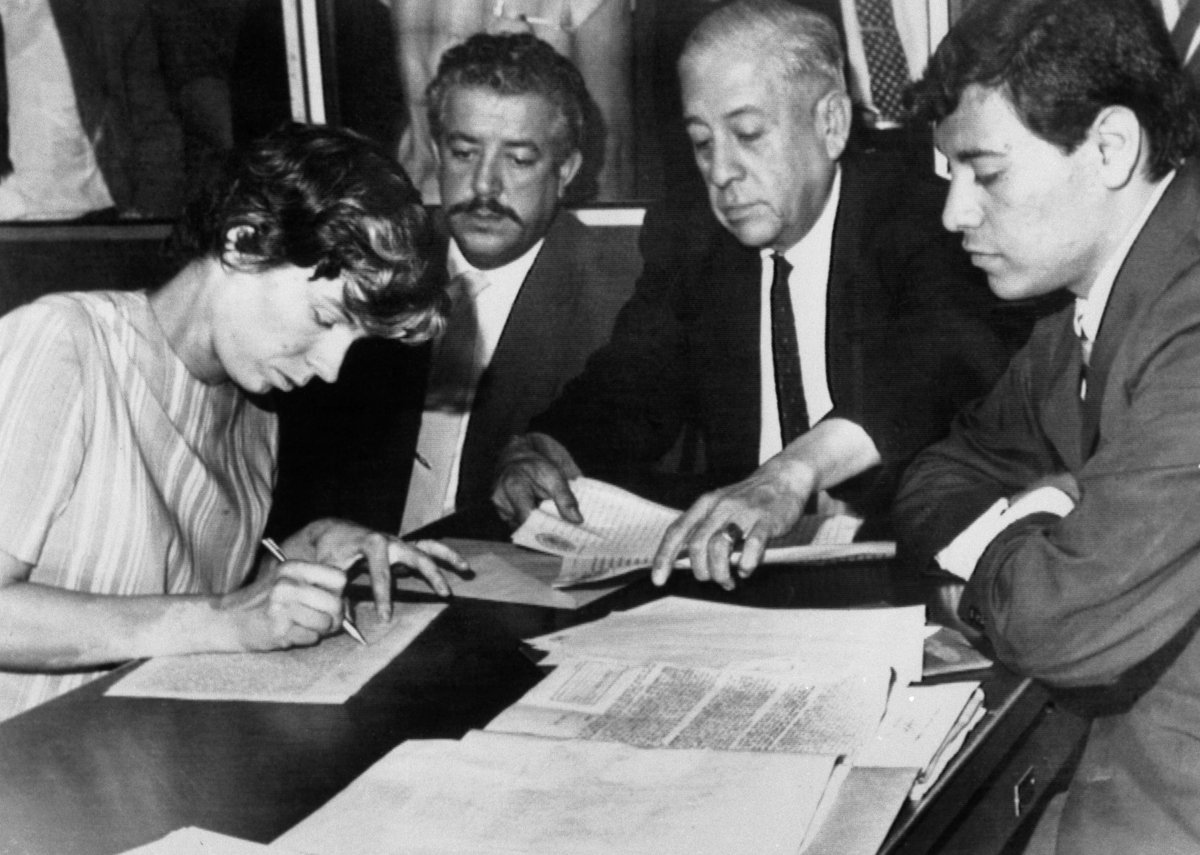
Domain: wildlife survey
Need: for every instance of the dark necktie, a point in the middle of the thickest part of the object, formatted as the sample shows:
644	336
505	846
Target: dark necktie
785	351
885	57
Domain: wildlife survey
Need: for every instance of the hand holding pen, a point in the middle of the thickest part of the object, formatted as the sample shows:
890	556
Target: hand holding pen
339	543
347	624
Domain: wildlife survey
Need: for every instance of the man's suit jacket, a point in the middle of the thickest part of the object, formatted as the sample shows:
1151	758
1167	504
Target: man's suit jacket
912	333
1103	603
346	449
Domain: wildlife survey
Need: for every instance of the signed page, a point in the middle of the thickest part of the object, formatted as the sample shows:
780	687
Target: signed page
505	794
327	673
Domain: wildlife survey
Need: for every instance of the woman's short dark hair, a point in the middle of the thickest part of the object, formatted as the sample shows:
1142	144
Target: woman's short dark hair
328	198
1060	62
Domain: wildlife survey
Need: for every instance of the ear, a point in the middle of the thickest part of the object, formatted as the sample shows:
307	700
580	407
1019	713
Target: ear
831	116
1117	135
233	237
567	171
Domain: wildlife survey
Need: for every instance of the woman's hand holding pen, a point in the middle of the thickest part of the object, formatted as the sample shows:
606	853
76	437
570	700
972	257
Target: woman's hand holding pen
341	544
299	600
291	603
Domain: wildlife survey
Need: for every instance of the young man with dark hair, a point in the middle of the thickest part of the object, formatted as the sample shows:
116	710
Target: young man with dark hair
1067	498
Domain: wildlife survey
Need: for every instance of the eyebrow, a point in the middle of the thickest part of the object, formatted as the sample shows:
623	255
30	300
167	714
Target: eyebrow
968	154
460	136
732	114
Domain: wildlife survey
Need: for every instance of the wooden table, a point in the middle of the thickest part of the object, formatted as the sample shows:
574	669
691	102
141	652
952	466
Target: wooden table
96	775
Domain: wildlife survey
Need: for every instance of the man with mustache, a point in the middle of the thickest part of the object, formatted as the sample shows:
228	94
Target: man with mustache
417	432
890	325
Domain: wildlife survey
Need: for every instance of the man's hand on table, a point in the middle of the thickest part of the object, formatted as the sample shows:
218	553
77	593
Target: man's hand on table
532	468
766	505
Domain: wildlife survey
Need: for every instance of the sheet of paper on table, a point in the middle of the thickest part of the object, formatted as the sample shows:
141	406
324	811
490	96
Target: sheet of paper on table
857	810
714	635
198	841
658	705
621	532
923	728
327	673
508	793
509	574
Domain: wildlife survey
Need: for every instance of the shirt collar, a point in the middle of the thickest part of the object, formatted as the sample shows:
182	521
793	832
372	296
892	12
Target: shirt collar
1089	310
821	233
509	275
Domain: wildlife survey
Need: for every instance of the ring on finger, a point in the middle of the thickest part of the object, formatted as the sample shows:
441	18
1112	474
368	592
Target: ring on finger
732	532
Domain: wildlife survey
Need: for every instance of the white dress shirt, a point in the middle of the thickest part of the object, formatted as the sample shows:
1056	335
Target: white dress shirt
808	286
434	481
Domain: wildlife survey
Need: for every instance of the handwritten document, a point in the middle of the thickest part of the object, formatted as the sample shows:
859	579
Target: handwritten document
508	573
621	532
509	793
327	673
655	705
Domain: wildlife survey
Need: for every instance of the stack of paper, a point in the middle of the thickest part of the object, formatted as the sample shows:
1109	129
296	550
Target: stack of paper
693	632
622	532
506	793
680	726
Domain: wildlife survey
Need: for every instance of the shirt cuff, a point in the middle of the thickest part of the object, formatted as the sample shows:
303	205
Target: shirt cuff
964	552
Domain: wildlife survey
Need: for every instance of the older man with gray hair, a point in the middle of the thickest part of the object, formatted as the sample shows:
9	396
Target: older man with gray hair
820	336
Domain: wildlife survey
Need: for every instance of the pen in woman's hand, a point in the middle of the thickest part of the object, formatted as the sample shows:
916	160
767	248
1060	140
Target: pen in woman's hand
347	625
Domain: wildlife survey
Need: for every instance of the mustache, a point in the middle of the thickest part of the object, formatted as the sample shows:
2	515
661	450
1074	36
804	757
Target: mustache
477	204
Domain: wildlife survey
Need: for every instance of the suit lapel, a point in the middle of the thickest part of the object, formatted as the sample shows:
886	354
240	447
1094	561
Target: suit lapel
726	347
1167	244
844	318
532	335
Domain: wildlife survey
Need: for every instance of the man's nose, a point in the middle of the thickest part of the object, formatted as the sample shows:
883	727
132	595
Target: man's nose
961	211
726	166
487	181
